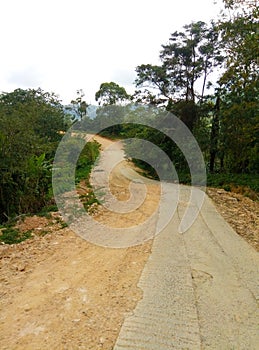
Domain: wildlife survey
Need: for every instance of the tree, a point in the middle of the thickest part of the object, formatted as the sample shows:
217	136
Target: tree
31	124
152	77
189	56
240	5
111	94
187	60
214	135
239	86
183	60
79	105
36	110
226	120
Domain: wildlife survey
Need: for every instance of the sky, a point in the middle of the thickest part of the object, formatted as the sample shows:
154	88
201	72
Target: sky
63	46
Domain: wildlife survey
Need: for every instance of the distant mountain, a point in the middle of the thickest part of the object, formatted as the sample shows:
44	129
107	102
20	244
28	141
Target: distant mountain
91	111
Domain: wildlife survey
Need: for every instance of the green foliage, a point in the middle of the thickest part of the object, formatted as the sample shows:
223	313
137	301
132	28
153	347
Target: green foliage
62	223
31	124
10	235
106	116
110	94
76	154
220	180
239	87
246	184
226	123
88	200
86	160
46	211
154	77
79	105
189	56
186	111
159	139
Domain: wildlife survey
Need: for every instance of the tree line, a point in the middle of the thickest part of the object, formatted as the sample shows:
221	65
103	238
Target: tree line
222	113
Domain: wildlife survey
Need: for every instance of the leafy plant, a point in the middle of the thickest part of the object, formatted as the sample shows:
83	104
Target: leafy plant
11	235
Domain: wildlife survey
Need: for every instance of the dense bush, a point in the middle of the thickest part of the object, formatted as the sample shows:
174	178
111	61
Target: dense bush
31	124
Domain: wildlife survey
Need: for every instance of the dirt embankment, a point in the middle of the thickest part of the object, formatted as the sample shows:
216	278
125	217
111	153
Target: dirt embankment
240	212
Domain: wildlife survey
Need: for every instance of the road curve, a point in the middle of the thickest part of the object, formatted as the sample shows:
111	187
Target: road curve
200	289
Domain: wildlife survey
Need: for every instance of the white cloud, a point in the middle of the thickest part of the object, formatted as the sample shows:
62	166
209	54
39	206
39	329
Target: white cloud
25	77
67	45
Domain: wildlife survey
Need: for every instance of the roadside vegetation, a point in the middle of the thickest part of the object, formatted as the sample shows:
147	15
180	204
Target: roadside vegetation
32	123
222	114
9	230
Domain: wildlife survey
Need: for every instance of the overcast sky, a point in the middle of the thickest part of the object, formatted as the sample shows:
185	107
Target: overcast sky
63	46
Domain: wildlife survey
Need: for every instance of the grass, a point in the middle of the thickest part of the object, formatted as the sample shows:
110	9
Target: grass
85	163
62	223
10	235
48	209
245	184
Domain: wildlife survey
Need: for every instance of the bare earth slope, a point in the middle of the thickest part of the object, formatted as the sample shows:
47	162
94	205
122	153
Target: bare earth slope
60	292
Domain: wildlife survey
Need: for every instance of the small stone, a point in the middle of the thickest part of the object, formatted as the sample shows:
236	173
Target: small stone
101	340
21	267
77	320
27	308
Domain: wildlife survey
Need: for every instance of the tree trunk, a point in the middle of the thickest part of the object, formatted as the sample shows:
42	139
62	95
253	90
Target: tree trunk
214	136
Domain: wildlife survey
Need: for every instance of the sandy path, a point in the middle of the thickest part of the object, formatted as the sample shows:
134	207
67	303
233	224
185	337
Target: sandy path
62	292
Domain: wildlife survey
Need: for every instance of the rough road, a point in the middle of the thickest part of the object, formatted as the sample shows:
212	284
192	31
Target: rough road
197	290
200	290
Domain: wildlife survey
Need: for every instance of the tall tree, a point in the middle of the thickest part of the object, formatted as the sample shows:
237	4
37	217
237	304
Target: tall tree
239	85
183	60
79	106
187	60
111	94
189	56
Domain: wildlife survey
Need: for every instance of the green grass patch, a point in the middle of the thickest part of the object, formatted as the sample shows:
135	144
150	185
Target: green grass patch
84	166
245	180
88	200
61	222
86	160
10	235
245	184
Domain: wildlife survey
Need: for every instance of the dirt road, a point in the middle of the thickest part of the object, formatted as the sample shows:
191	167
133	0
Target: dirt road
59	291
193	291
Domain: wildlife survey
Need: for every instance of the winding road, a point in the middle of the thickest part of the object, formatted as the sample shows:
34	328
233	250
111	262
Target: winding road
136	289
200	288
